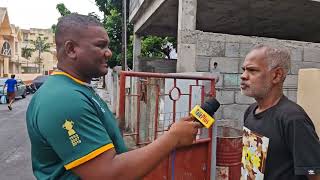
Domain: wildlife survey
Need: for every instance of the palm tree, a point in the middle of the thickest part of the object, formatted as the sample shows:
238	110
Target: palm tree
41	46
27	53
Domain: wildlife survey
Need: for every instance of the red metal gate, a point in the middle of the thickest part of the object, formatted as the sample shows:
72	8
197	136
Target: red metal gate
144	115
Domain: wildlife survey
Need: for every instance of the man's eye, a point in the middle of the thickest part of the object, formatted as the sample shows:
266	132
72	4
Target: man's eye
102	46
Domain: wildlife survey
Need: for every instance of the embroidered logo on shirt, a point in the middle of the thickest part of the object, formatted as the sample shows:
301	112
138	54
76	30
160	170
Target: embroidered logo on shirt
311	172
73	136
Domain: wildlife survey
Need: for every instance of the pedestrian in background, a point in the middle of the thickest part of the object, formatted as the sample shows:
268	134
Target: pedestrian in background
11	93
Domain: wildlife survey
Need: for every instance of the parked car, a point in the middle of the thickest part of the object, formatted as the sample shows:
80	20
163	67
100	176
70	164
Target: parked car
39	80
22	90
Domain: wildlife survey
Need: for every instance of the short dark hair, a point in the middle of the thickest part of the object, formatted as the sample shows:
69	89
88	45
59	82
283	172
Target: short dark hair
13	76
70	24
215	64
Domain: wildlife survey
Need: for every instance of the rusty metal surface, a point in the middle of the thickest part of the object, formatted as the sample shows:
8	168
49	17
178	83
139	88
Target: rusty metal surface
229	152
148	96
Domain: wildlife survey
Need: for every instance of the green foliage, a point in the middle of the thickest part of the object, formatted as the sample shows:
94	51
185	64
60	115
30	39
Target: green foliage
106	6
153	46
26	52
63	10
41	45
113	26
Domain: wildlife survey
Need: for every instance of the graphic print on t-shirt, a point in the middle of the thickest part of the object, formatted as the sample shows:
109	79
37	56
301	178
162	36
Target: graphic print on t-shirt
254	155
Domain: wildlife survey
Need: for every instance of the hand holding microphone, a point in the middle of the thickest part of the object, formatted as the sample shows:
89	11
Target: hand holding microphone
185	130
205	112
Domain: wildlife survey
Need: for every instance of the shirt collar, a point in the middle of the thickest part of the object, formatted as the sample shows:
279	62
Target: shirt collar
71	77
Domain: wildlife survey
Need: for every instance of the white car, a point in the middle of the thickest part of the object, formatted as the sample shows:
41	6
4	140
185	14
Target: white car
22	91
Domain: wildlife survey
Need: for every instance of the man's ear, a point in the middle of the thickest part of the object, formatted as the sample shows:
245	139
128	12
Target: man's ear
69	47
278	75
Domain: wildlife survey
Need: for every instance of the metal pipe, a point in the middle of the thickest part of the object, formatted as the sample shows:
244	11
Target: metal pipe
164	75
156	118
122	98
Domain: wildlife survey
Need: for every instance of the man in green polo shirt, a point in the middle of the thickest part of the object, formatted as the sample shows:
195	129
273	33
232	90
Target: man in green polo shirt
73	134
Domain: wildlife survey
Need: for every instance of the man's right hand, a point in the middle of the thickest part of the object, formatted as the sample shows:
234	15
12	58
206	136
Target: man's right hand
184	131
110	165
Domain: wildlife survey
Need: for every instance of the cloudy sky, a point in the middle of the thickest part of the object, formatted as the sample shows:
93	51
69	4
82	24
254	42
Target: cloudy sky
42	13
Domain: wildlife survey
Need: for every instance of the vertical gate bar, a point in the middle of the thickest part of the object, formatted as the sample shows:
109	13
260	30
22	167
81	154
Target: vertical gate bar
139	85
202	94
190	97
156	118
174	102
122	99
209	153
213	89
212	146
174	111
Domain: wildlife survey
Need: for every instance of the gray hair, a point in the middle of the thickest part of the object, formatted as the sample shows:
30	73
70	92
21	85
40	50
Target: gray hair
276	57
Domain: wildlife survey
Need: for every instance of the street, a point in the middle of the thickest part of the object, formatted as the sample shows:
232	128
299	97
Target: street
15	145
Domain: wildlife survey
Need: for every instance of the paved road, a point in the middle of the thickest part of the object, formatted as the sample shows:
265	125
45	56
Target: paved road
14	142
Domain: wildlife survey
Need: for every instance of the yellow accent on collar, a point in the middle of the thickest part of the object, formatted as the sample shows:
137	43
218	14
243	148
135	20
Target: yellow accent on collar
89	156
71	77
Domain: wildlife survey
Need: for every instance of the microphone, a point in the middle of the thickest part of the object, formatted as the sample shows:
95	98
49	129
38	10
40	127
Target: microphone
205	112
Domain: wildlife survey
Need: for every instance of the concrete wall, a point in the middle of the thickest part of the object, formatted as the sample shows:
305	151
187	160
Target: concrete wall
229	52
157	65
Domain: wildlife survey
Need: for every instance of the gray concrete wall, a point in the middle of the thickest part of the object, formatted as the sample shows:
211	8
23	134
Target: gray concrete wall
157	65
229	52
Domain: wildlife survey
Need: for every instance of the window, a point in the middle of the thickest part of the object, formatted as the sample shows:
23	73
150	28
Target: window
6	49
25	37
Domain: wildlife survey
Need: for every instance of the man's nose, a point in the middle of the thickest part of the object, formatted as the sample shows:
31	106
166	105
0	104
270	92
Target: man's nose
244	76
108	53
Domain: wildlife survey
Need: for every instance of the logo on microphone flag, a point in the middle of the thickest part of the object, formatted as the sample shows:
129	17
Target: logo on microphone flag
202	116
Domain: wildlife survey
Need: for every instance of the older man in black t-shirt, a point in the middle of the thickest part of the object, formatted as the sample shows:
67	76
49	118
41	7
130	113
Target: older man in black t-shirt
279	140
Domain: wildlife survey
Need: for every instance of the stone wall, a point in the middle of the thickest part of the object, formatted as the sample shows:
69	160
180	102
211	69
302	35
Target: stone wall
157	65
229	52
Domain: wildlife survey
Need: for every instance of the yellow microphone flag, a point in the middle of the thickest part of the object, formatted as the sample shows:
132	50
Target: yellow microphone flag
202	116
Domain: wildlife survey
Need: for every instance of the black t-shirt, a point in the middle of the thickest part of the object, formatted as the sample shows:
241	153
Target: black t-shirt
285	131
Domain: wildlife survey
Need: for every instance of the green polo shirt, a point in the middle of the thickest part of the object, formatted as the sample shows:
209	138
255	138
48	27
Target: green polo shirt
69	124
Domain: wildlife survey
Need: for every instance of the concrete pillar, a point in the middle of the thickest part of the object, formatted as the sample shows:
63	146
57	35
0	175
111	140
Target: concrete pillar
186	22
308	94
1	68
6	66
14	69
136	52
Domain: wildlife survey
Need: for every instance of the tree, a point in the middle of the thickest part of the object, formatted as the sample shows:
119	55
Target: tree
63	10
41	46
27	53
153	46
106	6
113	23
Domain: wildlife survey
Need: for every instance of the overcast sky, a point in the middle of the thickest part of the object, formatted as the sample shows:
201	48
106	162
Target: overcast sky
42	13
